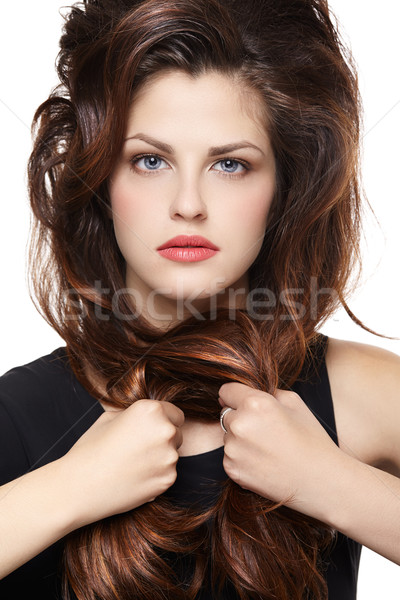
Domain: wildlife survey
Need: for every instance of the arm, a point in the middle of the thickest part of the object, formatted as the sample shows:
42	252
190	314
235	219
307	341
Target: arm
365	384
363	502
125	459
34	513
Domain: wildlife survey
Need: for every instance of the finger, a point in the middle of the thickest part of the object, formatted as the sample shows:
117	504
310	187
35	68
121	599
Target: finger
222	403
287	397
233	393
174	414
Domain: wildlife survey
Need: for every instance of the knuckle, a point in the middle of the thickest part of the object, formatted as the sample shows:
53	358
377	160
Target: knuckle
142	406
254	402
170	477
168	431
237	427
231	450
153	406
177	410
140	403
229	467
151	410
171	458
226	464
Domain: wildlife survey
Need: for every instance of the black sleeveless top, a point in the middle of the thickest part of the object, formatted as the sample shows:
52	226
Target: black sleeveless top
44	410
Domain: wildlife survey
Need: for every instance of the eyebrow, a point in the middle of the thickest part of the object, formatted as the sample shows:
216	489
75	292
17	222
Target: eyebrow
213	151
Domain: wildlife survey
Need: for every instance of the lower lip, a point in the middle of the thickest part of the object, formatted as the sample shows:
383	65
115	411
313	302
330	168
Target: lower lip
187	254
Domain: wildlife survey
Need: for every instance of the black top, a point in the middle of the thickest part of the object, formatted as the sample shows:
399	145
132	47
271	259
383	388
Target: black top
44	410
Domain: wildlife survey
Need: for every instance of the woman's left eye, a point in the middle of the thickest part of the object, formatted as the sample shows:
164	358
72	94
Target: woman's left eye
231	165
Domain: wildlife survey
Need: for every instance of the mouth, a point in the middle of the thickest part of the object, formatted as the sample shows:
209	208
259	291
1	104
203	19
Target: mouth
188	248
188	241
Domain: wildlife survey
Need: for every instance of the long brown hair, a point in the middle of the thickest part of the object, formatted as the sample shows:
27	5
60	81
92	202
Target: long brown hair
289	53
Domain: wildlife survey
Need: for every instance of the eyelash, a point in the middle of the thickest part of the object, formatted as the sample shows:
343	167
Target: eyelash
244	164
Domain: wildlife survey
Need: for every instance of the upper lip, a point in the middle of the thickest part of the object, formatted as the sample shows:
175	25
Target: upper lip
188	240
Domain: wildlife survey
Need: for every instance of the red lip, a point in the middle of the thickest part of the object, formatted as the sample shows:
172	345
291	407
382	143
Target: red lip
196	241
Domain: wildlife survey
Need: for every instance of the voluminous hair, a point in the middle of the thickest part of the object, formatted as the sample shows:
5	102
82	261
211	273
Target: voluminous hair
289	54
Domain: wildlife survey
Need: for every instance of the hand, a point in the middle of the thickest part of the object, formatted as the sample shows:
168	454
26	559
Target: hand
277	448
126	458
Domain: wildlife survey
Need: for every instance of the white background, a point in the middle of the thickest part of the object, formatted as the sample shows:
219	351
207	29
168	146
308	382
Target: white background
28	47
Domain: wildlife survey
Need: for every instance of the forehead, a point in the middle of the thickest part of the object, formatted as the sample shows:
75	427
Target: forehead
212	95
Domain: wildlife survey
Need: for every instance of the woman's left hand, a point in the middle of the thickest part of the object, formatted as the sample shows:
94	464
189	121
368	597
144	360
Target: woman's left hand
278	449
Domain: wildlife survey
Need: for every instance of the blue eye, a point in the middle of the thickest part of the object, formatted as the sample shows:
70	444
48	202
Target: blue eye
150	161
232	165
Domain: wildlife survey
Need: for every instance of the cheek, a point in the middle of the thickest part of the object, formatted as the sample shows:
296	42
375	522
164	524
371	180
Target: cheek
260	210
124	202
253	218
134	212
128	219
252	208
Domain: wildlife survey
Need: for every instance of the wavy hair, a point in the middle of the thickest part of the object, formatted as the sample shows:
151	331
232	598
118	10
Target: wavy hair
290	54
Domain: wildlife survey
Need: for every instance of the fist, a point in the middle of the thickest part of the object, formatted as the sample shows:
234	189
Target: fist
275	447
125	459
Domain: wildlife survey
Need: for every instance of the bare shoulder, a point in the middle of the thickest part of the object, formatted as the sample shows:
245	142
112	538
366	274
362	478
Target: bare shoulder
365	386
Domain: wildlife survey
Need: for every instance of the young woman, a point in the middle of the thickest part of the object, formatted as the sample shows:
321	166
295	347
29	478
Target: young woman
194	182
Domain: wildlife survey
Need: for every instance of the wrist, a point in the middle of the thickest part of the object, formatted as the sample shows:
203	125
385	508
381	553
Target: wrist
35	514
67	512
340	492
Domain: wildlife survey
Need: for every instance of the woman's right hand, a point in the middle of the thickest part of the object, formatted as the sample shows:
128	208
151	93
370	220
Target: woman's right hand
126	458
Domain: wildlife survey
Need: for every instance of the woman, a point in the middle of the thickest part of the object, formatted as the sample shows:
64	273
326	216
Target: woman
194	121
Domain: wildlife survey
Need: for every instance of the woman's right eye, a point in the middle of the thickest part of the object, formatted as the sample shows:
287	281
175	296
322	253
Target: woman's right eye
150	162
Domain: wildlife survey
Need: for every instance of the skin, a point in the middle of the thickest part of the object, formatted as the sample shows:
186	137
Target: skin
191	193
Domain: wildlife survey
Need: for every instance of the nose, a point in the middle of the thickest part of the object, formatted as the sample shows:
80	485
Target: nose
188	203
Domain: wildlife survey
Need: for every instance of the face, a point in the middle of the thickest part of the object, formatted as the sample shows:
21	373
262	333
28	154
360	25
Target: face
173	178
